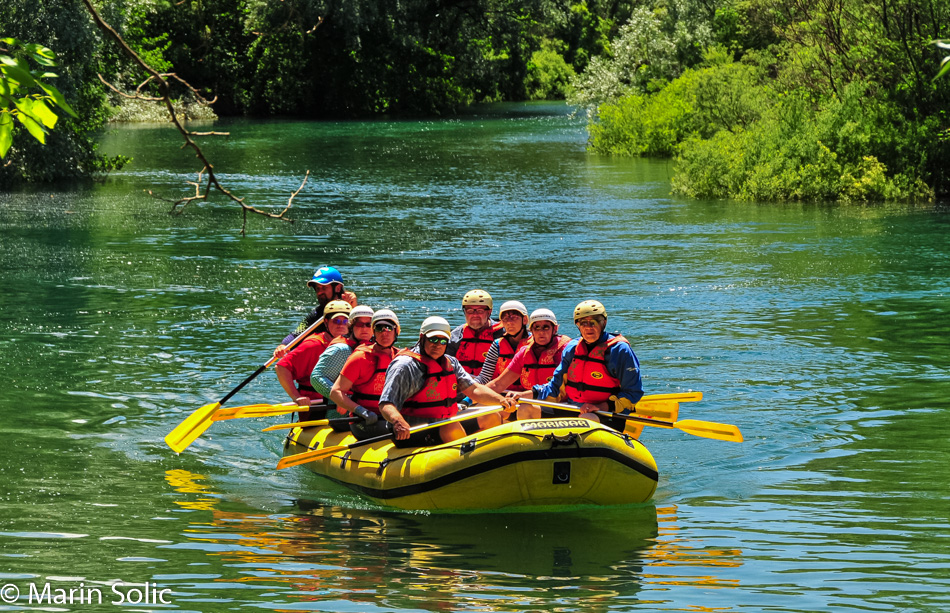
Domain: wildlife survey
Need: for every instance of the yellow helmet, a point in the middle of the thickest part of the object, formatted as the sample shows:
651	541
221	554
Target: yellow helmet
337	307
477	297
588	308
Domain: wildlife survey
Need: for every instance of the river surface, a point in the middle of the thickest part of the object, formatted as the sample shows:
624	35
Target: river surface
823	332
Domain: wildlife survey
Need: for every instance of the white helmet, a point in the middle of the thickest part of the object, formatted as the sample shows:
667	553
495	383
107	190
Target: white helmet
435	326
385	315
542	315
360	311
513	305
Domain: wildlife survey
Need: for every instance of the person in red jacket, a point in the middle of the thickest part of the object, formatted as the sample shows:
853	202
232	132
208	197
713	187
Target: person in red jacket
294	369
423	384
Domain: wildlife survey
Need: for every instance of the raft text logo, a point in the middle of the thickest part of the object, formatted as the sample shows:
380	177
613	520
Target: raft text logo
115	594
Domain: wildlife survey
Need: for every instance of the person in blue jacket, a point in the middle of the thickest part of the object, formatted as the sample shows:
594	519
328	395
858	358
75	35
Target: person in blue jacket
598	371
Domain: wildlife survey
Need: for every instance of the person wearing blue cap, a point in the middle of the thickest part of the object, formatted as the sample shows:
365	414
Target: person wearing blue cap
327	282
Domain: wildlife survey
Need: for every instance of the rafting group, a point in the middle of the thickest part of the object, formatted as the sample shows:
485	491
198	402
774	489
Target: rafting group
349	371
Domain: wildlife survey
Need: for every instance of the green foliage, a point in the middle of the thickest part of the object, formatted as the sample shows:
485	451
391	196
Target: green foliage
830	100
549	75
798	152
70	149
26	95
652	48
721	95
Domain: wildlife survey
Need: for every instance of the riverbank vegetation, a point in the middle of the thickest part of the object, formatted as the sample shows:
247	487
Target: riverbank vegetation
752	99
789	100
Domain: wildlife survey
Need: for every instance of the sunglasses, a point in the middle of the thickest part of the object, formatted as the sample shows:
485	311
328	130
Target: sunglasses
511	315
474	310
438	341
384	327
360	324
340	321
586	323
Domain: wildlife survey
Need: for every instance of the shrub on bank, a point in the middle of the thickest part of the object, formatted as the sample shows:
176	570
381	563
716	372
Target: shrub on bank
797	152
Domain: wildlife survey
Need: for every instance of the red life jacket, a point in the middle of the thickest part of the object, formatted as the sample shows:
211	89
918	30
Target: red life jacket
366	393
506	353
587	379
436	399
474	347
538	369
319	343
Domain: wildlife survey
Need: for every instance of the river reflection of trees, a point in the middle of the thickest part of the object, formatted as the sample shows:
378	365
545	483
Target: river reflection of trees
590	559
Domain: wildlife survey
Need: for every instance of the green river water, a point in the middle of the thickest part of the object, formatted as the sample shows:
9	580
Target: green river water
823	332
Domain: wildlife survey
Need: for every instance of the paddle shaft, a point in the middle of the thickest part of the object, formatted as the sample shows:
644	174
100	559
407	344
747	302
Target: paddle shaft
317	454
314	422
185	433
704	429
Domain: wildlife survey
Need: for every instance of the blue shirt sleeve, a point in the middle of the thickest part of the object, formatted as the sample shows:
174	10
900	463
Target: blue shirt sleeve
622	364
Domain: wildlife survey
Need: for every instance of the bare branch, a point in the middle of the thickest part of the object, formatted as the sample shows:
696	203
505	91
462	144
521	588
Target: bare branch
160	80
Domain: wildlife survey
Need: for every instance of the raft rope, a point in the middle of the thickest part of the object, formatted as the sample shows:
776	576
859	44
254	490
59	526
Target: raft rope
573	437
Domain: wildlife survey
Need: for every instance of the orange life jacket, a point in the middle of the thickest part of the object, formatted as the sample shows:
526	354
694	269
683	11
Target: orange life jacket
538	369
587	379
474	347
436	399
506	353
367	393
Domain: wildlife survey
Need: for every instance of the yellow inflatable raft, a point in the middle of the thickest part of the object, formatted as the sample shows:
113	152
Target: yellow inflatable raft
541	462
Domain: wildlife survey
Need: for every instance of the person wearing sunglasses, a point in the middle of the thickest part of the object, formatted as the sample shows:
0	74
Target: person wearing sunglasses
514	318
294	369
423	385
598	371
357	389
331	361
327	282
471	341
534	363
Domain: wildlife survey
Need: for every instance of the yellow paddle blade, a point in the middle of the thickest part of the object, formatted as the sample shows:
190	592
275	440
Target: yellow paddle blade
658	409
299	424
256	410
710	429
191	428
678	397
309	456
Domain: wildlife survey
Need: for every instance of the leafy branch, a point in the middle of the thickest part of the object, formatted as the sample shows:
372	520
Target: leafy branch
25	96
207	178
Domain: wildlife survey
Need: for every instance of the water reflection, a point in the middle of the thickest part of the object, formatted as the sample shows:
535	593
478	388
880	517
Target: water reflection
319	555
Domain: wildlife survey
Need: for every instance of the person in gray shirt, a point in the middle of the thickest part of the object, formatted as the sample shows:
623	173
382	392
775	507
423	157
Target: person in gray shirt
423	384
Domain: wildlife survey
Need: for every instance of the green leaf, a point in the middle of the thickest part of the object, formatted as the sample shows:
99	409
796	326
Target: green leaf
32	127
946	68
6	133
58	98
43	113
17	71
43	55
